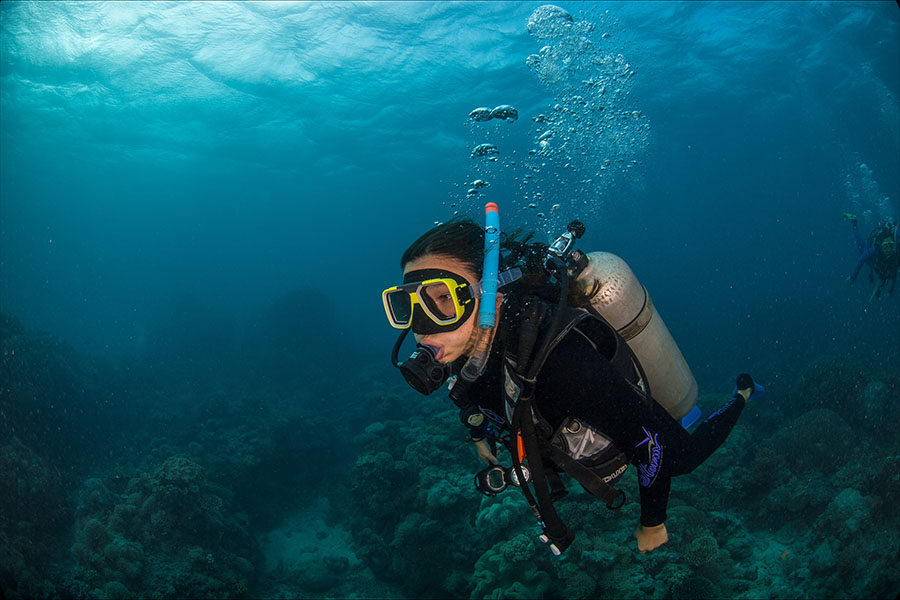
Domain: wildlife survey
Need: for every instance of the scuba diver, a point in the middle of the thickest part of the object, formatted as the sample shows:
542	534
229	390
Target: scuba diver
541	372
879	252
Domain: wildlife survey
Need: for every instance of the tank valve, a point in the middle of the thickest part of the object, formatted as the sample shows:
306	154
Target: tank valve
563	249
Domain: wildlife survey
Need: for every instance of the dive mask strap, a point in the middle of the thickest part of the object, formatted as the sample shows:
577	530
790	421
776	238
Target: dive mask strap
508	276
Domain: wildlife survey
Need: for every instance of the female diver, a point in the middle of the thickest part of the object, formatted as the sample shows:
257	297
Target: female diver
552	381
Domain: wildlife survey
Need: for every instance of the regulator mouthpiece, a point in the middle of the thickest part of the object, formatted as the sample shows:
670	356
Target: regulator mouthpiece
422	370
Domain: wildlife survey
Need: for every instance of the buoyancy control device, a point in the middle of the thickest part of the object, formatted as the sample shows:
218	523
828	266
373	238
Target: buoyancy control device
632	336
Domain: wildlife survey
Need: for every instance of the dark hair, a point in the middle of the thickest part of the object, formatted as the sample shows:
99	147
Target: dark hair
463	239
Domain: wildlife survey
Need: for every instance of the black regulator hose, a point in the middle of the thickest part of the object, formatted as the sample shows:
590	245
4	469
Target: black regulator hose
396	351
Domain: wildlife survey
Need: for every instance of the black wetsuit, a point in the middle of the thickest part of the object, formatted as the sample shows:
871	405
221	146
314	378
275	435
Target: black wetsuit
578	381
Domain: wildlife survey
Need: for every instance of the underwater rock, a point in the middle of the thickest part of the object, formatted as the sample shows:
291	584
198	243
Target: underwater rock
822	560
766	462
317	574
872	473
847	514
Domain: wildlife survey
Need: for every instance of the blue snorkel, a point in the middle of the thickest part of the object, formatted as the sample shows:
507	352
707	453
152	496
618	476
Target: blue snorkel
487	312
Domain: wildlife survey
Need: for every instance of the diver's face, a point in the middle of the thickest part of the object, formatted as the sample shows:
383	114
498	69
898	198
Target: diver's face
888	248
450	344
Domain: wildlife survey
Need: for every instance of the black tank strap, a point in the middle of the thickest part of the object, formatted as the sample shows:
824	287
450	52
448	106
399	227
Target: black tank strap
613	498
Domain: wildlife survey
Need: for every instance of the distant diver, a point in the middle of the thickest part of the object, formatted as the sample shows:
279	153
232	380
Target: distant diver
557	368
879	251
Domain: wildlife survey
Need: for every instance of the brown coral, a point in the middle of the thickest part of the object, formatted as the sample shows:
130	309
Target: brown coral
701	551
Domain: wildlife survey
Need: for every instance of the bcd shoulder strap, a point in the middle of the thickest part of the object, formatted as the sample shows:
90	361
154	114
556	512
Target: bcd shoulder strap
520	378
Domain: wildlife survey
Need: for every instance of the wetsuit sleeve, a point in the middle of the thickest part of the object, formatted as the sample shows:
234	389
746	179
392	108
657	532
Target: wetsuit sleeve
863	259
578	381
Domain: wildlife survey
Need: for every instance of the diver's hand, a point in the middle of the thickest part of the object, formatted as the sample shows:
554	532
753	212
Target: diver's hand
651	538
484	453
850	281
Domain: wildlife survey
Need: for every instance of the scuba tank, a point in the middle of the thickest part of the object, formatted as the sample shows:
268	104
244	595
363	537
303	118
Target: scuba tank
627	306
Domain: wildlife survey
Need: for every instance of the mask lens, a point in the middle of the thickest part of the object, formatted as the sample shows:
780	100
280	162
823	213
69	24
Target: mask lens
439	300
400	305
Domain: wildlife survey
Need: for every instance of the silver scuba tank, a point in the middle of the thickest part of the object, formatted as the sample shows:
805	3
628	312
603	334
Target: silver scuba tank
625	303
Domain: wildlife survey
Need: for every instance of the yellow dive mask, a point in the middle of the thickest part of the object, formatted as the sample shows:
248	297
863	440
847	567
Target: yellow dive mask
429	300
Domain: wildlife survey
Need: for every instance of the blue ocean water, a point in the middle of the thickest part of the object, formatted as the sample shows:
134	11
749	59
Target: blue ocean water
200	204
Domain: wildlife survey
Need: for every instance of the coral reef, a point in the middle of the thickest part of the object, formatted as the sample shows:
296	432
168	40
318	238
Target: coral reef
507	570
725	519
701	551
787	504
32	519
408	495
168	534
47	394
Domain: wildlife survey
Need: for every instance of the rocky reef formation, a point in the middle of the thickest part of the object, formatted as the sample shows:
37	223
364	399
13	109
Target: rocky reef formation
183	487
775	512
169	533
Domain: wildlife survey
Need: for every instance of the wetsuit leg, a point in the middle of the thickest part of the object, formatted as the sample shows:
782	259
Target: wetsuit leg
709	436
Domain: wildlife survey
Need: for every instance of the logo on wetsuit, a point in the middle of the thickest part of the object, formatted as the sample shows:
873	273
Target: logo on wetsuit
725	407
648	471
